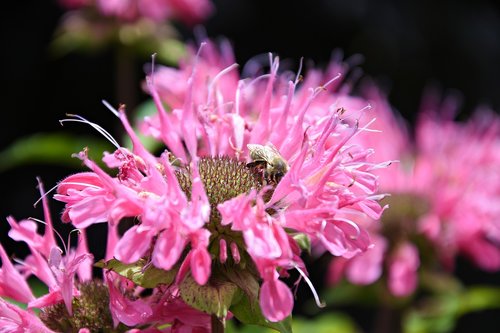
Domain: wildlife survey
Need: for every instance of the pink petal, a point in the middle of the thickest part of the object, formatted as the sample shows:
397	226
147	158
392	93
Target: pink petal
134	243
201	264
12	283
168	249
366	267
14	319
403	267
276	300
124	310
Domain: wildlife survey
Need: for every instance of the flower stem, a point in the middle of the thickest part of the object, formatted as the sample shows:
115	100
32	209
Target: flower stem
388	320
218	324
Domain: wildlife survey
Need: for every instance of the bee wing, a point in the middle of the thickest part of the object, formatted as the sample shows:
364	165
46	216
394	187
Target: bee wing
258	152
273	148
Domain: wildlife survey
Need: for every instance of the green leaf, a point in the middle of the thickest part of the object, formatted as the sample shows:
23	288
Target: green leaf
247	308
245	279
331	322
479	298
215	297
438	314
148	277
171	51
51	148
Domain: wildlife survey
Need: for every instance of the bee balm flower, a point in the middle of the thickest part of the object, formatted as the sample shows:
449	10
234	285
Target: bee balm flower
206	209
445	193
76	301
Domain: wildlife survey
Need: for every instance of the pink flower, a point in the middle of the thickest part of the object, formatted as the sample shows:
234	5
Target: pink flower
69	276
445	187
14	319
403	266
206	189
463	160
189	11
362	269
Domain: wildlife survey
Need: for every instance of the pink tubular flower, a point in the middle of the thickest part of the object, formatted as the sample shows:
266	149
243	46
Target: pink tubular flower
403	266
445	188
75	300
462	159
14	319
363	269
249	162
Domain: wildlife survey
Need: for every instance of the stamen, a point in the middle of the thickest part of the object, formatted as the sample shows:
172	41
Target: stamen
319	303
217	77
153	59
98	128
69	239
110	108
352	224
324	86
298	77
45	194
78	183
55	231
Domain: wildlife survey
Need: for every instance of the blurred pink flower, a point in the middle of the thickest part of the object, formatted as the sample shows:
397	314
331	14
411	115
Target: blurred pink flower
445	187
188	11
201	192
362	269
462	160
403	265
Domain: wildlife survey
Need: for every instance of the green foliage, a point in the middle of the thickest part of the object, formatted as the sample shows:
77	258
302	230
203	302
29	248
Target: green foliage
333	322
215	297
146	276
439	313
247	308
51	148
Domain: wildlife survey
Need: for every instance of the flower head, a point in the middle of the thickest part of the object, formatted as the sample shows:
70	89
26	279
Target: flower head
207	190
444	190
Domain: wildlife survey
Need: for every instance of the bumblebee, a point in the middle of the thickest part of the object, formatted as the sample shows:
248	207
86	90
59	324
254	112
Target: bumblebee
268	159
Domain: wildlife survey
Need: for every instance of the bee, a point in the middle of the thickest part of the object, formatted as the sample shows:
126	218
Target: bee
268	159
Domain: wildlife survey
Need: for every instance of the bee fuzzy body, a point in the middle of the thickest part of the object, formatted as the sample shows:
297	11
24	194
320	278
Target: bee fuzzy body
267	159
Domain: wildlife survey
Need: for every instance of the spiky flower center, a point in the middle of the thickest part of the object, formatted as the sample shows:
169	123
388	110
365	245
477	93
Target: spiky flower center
224	178
90	310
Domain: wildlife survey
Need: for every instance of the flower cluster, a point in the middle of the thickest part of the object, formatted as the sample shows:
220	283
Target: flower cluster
216	212
76	300
445	191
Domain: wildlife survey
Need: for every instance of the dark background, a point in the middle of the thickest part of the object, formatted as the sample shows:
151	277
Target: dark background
406	46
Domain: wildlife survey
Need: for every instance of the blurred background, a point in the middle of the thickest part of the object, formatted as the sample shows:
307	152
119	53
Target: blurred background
404	46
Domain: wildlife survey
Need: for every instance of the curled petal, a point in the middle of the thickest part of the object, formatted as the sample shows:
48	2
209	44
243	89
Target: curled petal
124	310
276	300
